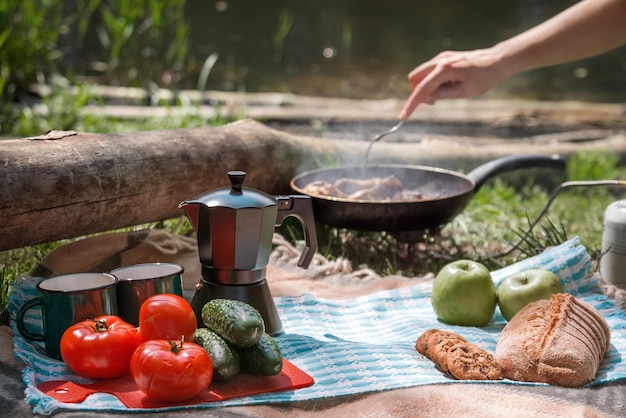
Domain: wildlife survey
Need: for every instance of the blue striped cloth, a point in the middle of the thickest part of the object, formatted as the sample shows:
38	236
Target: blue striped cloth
359	345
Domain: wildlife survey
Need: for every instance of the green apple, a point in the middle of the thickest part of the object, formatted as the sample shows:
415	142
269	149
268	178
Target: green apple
520	289
464	294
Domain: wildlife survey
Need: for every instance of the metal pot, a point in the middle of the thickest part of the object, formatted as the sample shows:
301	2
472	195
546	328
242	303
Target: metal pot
445	193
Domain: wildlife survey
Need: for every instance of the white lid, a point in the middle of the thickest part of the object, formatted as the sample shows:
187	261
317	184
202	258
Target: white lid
615	214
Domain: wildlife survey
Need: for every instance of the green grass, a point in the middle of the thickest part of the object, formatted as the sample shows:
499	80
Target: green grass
36	37
63	111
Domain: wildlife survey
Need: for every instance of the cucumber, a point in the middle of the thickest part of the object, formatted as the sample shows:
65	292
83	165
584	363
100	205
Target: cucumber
225	359
237	322
263	359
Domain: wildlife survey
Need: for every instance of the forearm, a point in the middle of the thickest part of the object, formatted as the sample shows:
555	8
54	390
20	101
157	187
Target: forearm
588	28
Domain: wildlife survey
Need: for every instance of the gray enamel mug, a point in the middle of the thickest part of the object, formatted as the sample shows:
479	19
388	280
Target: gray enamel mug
65	300
138	282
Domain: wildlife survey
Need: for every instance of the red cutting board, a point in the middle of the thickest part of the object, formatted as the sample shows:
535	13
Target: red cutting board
124	388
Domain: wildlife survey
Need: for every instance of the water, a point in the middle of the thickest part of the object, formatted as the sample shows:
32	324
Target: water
354	48
365	48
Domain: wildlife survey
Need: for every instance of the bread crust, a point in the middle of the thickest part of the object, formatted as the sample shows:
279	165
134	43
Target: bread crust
454	355
560	341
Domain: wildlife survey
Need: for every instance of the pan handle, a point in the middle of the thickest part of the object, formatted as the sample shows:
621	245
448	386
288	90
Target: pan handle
484	172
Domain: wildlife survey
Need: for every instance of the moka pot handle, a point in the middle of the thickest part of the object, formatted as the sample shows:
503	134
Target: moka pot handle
300	207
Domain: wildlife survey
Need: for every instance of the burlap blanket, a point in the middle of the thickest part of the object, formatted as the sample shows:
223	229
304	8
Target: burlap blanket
328	279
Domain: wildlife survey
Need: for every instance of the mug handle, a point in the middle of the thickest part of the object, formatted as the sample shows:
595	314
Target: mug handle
19	321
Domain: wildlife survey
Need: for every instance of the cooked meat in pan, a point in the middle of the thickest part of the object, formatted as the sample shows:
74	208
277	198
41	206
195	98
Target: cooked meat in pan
388	188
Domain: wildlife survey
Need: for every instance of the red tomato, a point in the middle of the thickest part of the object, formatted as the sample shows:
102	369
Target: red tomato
166	317
171	371
99	348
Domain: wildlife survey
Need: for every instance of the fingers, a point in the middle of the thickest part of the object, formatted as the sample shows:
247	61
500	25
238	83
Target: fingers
453	75
418	73
427	83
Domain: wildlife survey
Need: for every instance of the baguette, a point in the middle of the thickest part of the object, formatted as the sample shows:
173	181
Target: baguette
560	341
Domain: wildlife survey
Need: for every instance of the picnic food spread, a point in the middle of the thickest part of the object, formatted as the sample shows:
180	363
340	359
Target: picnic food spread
560	341
165	366
555	338
331	340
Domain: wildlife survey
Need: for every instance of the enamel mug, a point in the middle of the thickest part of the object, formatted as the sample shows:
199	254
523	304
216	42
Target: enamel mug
65	300
138	282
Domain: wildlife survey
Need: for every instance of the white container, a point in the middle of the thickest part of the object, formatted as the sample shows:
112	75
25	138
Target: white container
613	257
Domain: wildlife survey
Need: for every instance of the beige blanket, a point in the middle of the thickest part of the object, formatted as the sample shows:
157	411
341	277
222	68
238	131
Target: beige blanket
329	279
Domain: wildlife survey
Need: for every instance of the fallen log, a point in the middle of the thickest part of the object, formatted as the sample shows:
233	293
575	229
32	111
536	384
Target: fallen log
66	185
85	183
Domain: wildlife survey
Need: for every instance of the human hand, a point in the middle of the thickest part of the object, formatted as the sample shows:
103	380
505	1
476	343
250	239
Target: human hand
453	75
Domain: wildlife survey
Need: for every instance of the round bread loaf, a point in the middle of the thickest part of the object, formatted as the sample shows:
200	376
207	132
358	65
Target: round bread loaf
560	341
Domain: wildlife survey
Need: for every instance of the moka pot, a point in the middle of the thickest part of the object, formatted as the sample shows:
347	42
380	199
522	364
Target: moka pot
234	228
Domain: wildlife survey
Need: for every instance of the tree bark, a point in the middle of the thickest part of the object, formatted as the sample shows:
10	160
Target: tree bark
87	183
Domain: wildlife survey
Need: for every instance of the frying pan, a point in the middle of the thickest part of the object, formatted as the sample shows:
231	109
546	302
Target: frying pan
445	193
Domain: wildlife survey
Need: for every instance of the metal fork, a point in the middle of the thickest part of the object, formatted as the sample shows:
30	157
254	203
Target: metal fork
378	137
